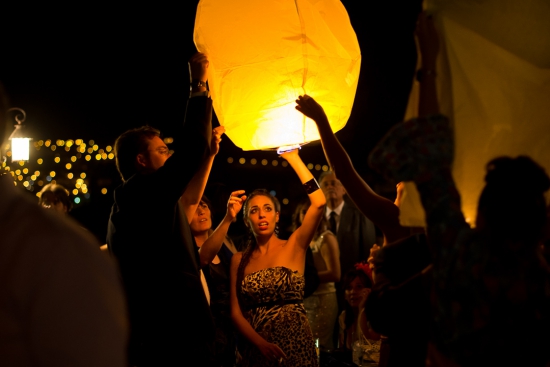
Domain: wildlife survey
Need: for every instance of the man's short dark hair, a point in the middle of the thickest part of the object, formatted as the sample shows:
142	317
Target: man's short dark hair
128	145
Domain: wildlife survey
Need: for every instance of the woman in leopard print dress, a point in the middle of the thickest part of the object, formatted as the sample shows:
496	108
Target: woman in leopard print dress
267	283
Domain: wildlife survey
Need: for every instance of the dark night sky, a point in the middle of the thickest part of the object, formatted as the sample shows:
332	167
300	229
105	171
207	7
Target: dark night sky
90	71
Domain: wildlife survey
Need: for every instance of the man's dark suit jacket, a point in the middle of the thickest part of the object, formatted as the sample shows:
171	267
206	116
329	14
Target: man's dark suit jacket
356	235
150	237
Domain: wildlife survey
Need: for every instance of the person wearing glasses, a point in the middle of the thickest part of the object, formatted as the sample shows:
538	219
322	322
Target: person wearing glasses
149	235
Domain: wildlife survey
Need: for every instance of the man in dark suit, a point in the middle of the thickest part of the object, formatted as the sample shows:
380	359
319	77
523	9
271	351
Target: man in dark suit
355	233
149	235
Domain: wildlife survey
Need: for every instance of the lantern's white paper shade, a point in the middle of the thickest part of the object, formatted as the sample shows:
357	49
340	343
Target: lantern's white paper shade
20	149
264	54
493	80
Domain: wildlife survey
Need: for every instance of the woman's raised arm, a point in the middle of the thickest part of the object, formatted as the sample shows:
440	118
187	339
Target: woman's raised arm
193	193
304	234
381	211
212	245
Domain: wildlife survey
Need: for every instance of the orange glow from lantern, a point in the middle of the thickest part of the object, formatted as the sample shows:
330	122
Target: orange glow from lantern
263	55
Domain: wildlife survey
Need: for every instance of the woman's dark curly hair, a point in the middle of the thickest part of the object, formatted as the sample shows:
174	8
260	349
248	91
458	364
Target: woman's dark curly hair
512	203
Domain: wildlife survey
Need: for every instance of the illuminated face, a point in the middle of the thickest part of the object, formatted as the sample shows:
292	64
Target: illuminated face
332	188
202	220
156	155
356	292
262	217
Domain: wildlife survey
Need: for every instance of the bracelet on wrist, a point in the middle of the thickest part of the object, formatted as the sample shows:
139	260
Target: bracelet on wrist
196	83
311	186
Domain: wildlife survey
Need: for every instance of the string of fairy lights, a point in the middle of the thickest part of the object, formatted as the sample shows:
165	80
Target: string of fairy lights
70	162
59	160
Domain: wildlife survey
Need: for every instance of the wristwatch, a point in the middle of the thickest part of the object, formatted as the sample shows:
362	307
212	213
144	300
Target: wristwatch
195	83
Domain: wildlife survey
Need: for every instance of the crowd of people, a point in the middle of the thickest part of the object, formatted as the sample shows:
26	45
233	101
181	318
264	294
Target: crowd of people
175	289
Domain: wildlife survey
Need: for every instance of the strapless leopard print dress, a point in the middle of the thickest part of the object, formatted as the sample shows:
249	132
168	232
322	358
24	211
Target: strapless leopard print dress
272	304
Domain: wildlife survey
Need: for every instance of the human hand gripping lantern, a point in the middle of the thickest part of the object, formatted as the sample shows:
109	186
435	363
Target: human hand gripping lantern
264	54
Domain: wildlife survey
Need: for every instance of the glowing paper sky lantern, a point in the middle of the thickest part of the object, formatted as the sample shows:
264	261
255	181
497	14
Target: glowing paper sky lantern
264	54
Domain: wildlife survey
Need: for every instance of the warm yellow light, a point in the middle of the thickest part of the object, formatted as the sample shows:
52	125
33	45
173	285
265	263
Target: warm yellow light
264	162
77	185
80	181
40	142
242	160
317	167
53	147
275	163
88	157
17	171
47	143
20	149
78	141
25	171
57	159
26	183
20	178
33	177
90	150
84	190
70	175
83	175
21	163
95	147
109	148
59	143
37	173
52	174
168	140
68	166
253	161
91	142
264	54
111	156
104	191
325	168
73	159
103	155
70	143
39	161
67	148
310	166
98	157
75	192
230	160
285	201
